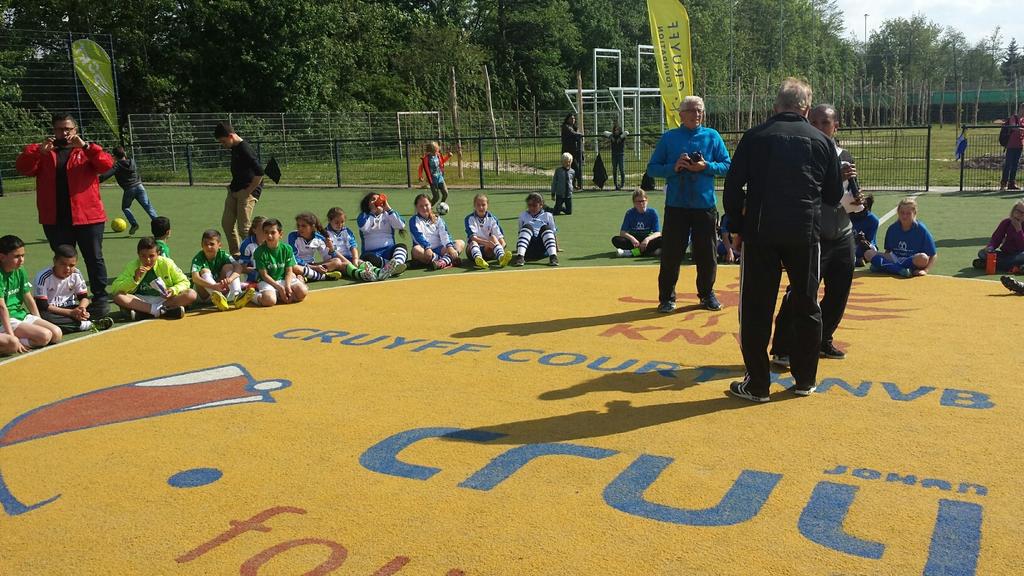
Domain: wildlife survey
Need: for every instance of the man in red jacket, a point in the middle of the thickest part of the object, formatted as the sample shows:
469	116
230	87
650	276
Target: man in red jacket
71	211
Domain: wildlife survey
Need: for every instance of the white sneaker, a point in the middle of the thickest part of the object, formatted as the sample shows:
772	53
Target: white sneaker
623	253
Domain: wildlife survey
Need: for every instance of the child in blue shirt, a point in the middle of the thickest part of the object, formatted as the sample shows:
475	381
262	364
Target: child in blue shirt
909	246
640	233
865	223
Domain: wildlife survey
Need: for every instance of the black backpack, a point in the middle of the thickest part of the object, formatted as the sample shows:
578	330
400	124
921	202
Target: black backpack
1004	135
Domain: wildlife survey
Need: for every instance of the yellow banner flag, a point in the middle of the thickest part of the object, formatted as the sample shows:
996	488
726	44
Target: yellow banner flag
94	70
670	35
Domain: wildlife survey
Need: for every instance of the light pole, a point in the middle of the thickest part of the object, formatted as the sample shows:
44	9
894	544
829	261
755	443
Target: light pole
865	31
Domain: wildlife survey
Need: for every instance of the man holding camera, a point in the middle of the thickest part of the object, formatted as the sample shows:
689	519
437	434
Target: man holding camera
67	169
689	158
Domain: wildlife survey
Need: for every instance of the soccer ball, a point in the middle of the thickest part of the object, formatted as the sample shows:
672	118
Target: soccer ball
442	208
118	224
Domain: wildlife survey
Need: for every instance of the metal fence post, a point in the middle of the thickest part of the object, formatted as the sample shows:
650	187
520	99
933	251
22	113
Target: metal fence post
928	161
337	162
480	158
962	158
1	183
188	163
408	165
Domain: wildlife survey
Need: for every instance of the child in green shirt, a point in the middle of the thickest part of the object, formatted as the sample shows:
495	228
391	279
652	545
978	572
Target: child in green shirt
214	271
152	285
275	262
22	327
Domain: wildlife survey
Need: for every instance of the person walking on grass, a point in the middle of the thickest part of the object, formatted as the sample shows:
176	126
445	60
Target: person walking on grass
127	175
689	158
782	172
245	187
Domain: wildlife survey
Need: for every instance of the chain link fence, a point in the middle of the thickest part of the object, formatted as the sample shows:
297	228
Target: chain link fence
981	165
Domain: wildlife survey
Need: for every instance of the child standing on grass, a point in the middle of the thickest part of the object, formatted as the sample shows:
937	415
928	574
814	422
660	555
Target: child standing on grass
61	295
248	249
152	286
561	186
433	245
640	233
315	261
23	328
484	237
909	246
214	272
378	223
536	233
276	263
127	176
161	228
433	164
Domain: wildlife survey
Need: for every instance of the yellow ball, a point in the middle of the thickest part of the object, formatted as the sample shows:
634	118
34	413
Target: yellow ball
118	224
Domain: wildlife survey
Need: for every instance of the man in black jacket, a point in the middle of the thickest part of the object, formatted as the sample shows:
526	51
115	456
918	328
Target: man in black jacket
788	168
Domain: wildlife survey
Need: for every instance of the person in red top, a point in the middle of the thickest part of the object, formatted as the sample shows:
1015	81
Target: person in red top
1013	150
67	169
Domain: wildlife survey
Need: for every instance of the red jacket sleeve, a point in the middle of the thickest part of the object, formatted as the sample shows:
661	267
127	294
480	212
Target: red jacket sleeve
27	163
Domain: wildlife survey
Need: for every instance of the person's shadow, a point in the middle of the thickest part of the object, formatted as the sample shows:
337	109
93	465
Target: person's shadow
633	383
618	416
557	325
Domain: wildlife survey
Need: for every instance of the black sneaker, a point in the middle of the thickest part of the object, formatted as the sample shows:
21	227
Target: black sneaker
131	315
133	229
172	312
804	390
978	264
553	260
828	350
104	323
862	241
518	260
739	389
1013	285
666	307
711	303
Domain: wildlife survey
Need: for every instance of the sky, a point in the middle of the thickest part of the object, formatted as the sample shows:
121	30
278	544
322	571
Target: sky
975	18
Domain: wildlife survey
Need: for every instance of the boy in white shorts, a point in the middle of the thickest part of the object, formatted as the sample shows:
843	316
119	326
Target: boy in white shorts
22	327
61	295
274	261
152	286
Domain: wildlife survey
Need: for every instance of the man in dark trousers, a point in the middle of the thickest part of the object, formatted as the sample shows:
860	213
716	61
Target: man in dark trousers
837	252
245	187
781	173
67	169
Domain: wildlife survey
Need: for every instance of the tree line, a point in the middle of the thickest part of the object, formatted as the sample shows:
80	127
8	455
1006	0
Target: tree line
384	55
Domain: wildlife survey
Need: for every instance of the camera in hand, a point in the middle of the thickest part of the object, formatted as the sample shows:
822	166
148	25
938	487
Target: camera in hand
696	157
60	142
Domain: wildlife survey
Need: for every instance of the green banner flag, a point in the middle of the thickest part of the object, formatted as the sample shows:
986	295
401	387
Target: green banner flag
93	67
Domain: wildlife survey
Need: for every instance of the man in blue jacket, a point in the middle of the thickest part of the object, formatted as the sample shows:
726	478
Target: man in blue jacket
689	158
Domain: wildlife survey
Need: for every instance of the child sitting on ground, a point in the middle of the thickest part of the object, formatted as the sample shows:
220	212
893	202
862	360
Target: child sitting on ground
433	245
315	261
865	229
214	272
378	223
1007	243
640	233
909	246
561	186
161	228
248	248
276	264
726	253
61	295
536	233
22	326
152	286
484	237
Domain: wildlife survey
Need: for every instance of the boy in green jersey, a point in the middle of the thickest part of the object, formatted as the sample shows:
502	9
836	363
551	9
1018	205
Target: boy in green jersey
275	262
214	271
22	327
152	285
161	227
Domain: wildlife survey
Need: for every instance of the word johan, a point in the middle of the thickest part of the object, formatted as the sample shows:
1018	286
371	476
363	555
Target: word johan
956	535
336	553
908	480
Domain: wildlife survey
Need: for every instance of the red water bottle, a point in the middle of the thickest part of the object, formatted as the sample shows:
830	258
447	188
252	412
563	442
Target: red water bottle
990	263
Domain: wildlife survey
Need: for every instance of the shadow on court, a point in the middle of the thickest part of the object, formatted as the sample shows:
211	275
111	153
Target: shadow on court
634	383
557	325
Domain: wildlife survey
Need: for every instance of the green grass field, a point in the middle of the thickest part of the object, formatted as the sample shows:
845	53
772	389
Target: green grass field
961	223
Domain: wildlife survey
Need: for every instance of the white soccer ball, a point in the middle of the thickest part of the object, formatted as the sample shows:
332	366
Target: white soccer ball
442	208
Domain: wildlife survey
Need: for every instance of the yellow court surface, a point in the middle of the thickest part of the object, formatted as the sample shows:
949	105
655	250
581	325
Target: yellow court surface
542	421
